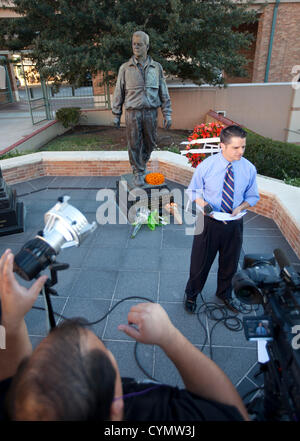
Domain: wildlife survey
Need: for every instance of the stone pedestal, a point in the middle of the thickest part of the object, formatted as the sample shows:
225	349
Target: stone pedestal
130	198
11	211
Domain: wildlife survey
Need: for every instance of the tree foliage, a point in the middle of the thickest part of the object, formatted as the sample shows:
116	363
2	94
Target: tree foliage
192	39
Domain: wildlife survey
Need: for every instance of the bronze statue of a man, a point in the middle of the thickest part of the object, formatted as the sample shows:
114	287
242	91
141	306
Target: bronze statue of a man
141	88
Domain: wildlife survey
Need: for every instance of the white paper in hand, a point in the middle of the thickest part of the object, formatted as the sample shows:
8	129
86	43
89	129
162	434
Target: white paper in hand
220	216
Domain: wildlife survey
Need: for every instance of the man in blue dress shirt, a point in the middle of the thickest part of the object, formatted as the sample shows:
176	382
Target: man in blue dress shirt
225	182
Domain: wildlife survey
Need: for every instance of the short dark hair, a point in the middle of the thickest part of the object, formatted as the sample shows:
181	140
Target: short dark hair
62	382
230	131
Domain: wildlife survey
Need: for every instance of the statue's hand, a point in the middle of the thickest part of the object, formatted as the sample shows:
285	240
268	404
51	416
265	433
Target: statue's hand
167	122
117	122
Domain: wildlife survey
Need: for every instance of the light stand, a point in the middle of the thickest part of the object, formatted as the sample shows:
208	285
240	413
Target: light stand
47	290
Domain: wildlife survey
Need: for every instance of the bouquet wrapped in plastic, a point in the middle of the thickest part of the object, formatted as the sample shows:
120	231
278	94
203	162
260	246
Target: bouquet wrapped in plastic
145	216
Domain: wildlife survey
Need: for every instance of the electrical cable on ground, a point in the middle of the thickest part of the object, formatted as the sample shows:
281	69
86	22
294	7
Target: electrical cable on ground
213	311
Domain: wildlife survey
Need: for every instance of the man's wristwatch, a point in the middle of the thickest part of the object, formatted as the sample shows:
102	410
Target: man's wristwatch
208	209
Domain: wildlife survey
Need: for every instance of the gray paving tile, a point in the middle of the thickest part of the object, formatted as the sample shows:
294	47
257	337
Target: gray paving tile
172	285
71	182
113	236
37	320
256	375
67	280
132	283
267	246
37	206
95	284
176	239
23	188
77	195
74	256
42	182
257	221
141	259
249	216
175	260
14	247
19	238
261	232
124	355
90	309
47	194
106	259
247	390
146	238
235	362
102	182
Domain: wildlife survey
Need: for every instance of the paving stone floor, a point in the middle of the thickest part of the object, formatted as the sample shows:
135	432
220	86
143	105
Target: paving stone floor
110	266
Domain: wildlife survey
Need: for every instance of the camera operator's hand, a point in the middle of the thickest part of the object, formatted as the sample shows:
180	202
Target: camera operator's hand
16	300
153	325
199	374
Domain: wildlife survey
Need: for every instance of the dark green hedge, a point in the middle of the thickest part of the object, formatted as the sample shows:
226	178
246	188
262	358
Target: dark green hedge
273	158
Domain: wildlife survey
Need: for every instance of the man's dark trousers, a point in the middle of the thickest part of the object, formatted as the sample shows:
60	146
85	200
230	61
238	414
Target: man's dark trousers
141	131
216	237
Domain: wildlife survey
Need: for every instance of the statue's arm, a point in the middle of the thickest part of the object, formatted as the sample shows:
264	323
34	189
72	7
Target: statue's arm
164	96
119	94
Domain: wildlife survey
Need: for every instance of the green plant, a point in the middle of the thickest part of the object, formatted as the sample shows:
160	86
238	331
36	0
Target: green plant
271	158
172	148
15	153
291	181
68	116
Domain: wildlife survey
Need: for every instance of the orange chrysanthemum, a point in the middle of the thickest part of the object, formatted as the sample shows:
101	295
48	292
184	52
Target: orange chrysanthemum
155	178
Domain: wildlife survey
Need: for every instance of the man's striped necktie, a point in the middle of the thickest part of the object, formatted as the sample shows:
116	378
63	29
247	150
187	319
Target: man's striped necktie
228	190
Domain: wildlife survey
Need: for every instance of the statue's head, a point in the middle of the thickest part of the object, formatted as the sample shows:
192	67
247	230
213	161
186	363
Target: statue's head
140	44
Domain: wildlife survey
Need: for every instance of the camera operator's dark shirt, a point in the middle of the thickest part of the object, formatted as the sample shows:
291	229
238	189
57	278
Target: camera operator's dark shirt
4	386
167	403
155	402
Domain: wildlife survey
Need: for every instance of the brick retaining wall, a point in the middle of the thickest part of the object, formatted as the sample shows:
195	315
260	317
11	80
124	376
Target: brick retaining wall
269	204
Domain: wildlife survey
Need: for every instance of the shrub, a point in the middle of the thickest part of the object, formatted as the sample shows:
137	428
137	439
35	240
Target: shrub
68	116
271	158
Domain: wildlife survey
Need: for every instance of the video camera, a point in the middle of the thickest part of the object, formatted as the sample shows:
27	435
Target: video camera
261	282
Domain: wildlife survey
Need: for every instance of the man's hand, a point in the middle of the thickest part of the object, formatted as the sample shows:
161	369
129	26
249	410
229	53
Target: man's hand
152	324
117	122
16	300
240	208
167	122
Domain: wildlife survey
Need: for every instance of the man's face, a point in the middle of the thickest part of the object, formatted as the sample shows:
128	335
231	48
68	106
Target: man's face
234	150
139	47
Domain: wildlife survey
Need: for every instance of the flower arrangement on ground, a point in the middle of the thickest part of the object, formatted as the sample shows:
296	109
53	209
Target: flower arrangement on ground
201	131
155	178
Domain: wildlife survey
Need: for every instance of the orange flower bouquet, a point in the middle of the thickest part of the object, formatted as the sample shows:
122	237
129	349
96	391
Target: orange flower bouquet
155	178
